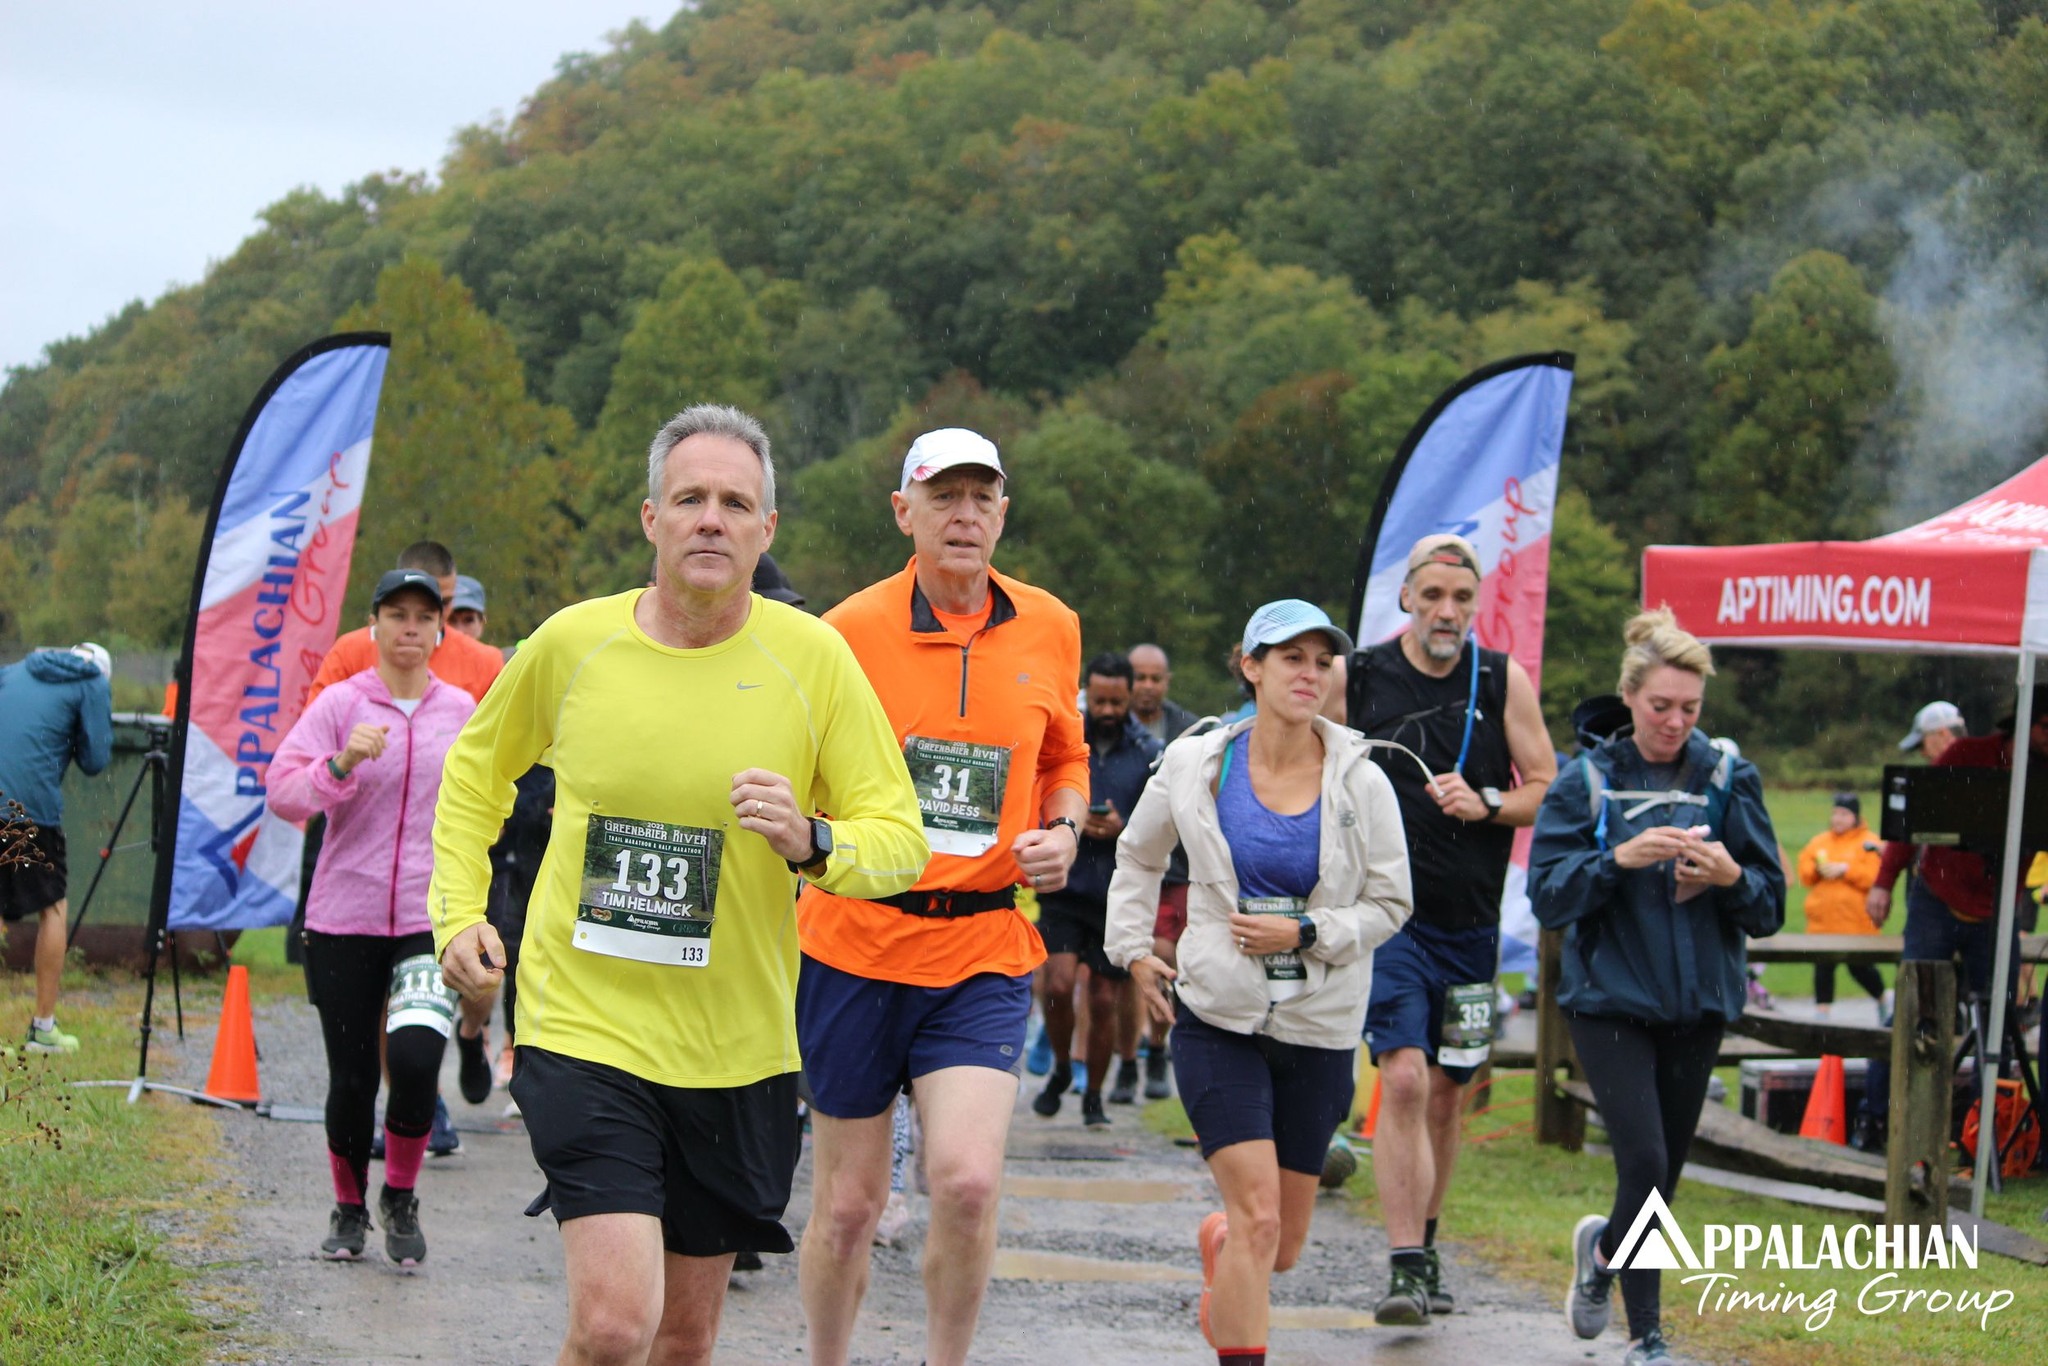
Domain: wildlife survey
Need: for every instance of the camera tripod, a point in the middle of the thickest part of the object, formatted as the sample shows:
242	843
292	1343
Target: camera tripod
155	772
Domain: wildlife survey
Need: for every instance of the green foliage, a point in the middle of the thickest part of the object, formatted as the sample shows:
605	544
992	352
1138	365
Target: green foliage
1792	402
462	455
1203	260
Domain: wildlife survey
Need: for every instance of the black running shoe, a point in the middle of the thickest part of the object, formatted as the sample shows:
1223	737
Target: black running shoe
1125	1092
1091	1111
1047	1102
1406	1303
347	1230
475	1072
1441	1301
404	1244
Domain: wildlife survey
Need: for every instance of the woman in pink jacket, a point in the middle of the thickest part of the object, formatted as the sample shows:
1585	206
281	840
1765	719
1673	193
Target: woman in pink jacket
368	752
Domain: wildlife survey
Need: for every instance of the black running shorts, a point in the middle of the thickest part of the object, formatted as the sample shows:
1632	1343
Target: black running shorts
714	1164
28	889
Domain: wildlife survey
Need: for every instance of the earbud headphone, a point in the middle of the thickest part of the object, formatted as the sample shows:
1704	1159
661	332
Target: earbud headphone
373	632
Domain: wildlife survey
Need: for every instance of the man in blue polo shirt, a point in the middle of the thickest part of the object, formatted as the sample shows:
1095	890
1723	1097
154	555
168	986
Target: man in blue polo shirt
1071	921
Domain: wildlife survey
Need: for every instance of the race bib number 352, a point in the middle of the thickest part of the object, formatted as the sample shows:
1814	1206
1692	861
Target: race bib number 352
650	891
959	792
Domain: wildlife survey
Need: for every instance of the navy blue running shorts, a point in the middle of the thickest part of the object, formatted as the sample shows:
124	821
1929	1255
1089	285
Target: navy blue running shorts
865	1040
1242	1087
1411	974
714	1164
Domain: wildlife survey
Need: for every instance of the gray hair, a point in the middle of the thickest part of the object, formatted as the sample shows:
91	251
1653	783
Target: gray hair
712	419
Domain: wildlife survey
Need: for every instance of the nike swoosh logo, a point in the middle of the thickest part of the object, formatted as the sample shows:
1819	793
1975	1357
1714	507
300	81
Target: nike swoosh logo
749	687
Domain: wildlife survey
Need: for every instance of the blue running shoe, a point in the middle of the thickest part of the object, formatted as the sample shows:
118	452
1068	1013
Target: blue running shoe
443	1141
1038	1057
1080	1078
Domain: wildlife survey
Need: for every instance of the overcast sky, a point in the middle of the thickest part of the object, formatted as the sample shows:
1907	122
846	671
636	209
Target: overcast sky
141	139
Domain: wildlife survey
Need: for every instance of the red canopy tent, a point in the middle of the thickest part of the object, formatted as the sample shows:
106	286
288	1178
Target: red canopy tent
1973	580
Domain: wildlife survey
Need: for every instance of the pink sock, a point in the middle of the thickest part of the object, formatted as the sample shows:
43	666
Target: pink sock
348	1188
402	1158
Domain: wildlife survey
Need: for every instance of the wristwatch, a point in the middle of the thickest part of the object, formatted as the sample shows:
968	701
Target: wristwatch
1491	796
1308	933
1067	821
821	847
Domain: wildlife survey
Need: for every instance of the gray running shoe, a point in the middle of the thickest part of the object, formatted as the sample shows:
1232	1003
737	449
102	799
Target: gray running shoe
1125	1092
1156	1085
1650	1348
1590	1300
1440	1299
404	1244
347	1229
1406	1303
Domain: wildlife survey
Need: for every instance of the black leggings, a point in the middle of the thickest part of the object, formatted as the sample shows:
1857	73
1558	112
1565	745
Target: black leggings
350	977
1862	974
1651	1081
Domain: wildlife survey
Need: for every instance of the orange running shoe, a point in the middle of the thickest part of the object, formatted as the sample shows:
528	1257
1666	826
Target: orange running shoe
1215	1228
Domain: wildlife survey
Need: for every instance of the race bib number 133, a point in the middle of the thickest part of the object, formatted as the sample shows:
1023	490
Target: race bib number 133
650	891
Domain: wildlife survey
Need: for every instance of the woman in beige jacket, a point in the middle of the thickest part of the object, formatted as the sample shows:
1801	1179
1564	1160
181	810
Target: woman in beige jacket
1297	868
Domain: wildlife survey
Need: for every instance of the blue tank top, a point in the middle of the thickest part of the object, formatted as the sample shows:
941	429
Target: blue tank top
1274	855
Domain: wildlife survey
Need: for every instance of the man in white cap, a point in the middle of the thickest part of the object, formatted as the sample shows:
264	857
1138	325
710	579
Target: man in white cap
1471	716
55	710
1936	726
930	989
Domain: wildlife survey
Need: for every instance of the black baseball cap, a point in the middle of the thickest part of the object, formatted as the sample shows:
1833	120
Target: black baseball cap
398	580
770	582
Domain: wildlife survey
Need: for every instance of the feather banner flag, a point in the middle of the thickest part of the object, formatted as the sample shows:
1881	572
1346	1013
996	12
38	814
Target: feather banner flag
1481	463
266	605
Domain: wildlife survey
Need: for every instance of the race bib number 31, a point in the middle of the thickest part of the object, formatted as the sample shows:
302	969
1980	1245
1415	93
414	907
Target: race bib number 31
649	891
959	792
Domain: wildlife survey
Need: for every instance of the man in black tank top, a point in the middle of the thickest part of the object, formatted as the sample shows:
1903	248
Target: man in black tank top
1470	716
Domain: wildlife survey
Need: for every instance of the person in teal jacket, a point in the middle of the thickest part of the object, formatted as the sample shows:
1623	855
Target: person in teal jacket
55	710
1655	856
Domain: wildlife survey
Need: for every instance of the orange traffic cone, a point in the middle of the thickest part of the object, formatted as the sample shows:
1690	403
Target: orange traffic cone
234	1048
1372	1111
1824	1118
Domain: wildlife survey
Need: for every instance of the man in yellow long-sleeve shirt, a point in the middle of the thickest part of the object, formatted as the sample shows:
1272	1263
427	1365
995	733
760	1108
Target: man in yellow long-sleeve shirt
695	730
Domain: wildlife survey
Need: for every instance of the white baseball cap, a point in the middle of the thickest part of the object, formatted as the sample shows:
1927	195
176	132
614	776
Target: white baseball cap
1933	716
1279	622
945	449
97	654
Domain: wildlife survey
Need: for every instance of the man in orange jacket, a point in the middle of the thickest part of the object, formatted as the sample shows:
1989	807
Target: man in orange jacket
1838	867
931	989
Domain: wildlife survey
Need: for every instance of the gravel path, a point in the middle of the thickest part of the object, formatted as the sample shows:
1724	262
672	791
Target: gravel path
1097	1261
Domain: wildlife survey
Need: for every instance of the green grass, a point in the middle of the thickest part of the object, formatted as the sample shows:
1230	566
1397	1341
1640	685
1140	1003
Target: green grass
270	976
83	1276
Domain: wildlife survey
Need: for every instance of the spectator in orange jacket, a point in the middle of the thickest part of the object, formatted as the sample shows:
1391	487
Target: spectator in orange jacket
1839	866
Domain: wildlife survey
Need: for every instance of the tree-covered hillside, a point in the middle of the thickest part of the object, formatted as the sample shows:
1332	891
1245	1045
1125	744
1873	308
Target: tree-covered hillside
1196	264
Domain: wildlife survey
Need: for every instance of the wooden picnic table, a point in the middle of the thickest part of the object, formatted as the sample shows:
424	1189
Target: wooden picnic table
1875	949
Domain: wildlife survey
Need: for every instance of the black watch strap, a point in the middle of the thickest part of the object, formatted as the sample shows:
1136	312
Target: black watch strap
821	847
1067	821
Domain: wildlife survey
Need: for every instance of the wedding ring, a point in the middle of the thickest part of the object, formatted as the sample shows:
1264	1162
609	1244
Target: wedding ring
757	806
